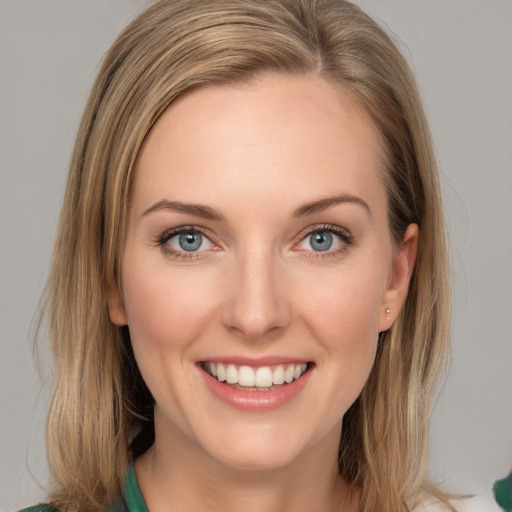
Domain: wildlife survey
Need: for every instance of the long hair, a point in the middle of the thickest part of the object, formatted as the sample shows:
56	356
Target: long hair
100	402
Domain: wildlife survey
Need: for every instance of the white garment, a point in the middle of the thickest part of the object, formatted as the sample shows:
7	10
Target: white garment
484	503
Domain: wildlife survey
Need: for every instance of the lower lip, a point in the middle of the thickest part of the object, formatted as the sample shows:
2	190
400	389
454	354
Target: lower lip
255	400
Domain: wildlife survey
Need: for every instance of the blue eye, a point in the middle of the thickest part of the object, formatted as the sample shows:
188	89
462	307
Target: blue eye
320	241
329	240
190	241
186	241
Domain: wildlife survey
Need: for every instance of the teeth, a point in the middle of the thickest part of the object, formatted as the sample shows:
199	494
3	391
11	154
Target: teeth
262	377
278	375
289	373
246	376
221	372
231	374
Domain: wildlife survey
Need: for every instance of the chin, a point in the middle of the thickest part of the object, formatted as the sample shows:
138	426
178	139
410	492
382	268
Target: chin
256	460
261	448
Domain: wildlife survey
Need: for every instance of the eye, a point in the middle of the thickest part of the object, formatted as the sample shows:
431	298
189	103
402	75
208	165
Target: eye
326	239
183	242
320	241
190	242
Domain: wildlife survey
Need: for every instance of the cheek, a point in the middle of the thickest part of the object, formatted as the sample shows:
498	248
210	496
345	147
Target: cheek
167	312
343	315
345	302
165	307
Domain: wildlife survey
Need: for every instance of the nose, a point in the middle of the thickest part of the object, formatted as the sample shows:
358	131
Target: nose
257	305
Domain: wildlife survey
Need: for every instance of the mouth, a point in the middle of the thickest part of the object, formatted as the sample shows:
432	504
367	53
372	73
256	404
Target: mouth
260	378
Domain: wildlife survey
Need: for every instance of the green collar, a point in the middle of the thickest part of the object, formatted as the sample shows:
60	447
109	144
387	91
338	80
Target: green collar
132	500
503	492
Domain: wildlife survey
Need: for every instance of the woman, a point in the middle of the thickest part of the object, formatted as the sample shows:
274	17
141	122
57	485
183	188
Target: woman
248	302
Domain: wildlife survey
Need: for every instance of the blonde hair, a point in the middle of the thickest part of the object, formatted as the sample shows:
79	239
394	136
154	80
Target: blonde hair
100	401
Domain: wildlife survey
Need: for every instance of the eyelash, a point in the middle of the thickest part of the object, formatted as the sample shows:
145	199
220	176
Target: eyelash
347	241
182	255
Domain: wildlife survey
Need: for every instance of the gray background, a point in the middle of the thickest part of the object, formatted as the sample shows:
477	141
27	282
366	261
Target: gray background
461	52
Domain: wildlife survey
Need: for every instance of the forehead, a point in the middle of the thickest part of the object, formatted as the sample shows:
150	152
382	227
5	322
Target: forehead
294	133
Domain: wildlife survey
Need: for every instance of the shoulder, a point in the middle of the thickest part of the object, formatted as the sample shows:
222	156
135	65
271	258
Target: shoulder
39	508
483	503
118	507
48	508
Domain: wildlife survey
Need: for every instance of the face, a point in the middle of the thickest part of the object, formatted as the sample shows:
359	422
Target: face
258	268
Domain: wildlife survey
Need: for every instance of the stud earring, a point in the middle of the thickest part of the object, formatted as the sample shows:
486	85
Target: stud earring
387	313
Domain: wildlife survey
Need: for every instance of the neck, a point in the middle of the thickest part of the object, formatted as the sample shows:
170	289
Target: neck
179	472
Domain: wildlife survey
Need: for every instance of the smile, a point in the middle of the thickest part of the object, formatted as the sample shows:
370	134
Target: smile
262	378
238	383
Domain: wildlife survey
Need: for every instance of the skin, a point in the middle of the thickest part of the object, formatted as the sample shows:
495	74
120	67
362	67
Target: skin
256	154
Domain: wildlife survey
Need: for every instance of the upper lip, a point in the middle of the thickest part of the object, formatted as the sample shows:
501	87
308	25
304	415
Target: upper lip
255	362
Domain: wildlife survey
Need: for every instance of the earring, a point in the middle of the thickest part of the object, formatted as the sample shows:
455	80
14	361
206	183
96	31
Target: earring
387	312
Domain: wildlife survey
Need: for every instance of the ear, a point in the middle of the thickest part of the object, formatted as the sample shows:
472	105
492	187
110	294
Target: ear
403	265
115	306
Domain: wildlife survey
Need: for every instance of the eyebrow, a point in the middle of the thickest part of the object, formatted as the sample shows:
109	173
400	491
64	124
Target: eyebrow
198	210
322	204
206	212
